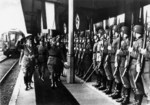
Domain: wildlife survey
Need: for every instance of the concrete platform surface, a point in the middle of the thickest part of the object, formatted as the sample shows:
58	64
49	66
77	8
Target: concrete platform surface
65	94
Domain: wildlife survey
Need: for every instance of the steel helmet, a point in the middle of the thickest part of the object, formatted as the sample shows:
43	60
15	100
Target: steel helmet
125	30
138	29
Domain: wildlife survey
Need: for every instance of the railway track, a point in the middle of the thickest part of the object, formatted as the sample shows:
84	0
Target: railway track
6	66
2	60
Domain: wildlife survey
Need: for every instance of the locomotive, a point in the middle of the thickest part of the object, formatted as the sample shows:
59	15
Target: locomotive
9	40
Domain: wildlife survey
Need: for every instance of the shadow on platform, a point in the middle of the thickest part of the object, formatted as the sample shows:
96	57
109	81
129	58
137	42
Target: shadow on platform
45	95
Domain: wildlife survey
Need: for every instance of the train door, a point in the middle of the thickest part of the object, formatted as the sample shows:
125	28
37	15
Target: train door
12	40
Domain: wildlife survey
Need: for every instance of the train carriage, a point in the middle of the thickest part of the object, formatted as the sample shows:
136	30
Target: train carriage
9	40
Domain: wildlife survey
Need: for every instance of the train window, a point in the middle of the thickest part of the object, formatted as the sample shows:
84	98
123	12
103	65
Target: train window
12	37
4	37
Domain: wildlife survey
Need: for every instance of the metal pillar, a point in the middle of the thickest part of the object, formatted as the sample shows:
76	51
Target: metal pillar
70	73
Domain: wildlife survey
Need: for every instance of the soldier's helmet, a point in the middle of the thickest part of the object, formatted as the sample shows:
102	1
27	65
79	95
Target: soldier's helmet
101	31
125	30
98	27
138	29
115	28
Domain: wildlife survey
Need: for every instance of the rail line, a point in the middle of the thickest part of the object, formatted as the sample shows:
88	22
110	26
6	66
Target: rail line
8	71
4	59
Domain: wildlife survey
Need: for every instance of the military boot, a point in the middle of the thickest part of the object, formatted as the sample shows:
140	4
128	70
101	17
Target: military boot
118	91
109	87
126	99
103	84
114	90
26	83
98	83
122	95
81	73
99	80
138	99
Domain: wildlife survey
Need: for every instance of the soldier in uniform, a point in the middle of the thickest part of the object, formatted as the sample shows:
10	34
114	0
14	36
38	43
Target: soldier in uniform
122	53
112	49
79	61
146	72
63	49
97	58
27	64
82	57
55	56
95	63
107	66
135	64
88	55
42	59
76	53
102	52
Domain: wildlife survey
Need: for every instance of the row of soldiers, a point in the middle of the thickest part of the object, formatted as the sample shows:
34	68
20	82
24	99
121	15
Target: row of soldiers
82	53
121	61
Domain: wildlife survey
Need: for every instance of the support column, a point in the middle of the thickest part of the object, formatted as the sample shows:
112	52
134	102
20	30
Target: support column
70	73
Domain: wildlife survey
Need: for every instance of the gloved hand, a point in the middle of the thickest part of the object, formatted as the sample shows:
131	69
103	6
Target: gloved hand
143	51
116	64
118	51
130	49
109	48
138	67
102	48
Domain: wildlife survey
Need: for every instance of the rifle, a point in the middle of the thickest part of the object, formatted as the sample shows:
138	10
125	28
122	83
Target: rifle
129	59
88	70
143	47
116	57
96	67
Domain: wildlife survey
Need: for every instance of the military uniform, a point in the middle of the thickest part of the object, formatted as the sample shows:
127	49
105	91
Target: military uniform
115	44
107	66
42	59
135	54
81	65
122	53
63	57
79	56
55	56
27	63
146	71
102	51
76	54
95	61
88	57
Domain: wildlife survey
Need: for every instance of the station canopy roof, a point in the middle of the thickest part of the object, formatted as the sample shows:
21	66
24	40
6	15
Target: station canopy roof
96	9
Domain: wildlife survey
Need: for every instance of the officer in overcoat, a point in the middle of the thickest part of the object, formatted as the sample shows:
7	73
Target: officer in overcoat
42	58
27	61
55	56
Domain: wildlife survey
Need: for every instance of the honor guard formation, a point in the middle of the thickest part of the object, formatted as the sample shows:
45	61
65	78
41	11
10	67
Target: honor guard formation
92	45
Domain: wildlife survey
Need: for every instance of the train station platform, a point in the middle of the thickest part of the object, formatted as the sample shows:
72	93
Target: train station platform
65	94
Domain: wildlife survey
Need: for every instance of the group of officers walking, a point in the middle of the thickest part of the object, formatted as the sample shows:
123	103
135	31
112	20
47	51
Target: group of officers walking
121	61
42	54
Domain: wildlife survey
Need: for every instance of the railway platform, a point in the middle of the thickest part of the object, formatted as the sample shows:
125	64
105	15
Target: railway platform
65	94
